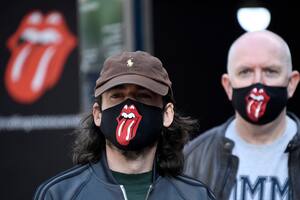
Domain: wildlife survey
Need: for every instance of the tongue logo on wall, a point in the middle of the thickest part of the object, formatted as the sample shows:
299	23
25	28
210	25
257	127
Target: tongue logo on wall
39	49
256	101
128	123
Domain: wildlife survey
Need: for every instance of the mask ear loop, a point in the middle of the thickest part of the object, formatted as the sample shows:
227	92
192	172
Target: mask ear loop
288	81
168	99
99	101
288	85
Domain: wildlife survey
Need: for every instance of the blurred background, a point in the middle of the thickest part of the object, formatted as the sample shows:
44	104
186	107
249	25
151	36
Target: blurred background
52	51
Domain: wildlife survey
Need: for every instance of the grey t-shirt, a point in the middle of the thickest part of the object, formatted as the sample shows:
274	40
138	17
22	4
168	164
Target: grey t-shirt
262	171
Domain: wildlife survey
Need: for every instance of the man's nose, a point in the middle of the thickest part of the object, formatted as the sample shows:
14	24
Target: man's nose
132	97
258	77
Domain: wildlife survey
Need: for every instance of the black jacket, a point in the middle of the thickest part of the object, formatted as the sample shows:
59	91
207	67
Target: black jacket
95	182
208	158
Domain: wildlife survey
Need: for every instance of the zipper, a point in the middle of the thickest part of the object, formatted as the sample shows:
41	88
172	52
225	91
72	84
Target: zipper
148	193
227	174
125	196
123	191
290	167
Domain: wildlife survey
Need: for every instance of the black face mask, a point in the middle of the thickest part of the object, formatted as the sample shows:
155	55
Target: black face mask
259	104
132	125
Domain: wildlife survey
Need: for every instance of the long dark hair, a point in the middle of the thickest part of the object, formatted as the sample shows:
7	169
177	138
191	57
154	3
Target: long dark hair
90	141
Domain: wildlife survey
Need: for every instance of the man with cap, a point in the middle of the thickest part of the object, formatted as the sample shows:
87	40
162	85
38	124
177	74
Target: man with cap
130	146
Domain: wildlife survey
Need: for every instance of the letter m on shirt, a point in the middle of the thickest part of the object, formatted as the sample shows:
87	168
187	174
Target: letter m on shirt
277	189
252	190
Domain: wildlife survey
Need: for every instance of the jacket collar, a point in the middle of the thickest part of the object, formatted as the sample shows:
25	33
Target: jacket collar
293	144
103	172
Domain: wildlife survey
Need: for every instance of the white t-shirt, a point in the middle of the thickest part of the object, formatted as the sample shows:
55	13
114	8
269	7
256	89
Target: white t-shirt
263	169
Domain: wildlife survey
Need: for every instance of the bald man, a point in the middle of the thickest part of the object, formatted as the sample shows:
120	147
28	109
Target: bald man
254	155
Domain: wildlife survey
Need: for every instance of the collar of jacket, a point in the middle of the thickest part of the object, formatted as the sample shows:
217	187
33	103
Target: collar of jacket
293	144
103	172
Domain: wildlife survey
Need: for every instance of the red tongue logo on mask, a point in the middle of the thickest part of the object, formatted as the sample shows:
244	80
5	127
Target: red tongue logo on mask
39	49
256	102
128	123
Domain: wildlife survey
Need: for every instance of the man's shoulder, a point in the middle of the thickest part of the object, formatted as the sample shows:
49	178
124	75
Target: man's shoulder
207	138
190	188
70	180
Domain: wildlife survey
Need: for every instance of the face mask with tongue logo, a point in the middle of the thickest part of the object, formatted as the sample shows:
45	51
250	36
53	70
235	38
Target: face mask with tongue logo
132	125
259	104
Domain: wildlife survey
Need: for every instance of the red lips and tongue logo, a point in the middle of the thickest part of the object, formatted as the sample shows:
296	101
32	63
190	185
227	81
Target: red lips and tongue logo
256	102
39	49
128	123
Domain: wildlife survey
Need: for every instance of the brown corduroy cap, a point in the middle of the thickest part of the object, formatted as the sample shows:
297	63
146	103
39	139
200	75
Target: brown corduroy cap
138	68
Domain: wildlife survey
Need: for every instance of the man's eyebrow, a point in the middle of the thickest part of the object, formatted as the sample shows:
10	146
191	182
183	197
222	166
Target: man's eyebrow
118	87
242	67
142	88
273	67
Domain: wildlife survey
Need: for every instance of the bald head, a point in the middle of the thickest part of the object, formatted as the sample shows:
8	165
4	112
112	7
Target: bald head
257	44
259	57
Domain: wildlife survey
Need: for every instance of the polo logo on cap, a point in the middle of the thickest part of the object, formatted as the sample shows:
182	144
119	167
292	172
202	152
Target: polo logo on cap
129	62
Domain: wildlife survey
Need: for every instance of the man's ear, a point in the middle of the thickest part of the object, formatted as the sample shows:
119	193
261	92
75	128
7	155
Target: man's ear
168	115
97	114
294	80
227	85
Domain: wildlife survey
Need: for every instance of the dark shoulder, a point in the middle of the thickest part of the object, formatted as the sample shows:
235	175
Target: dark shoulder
70	180
190	188
203	140
206	139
